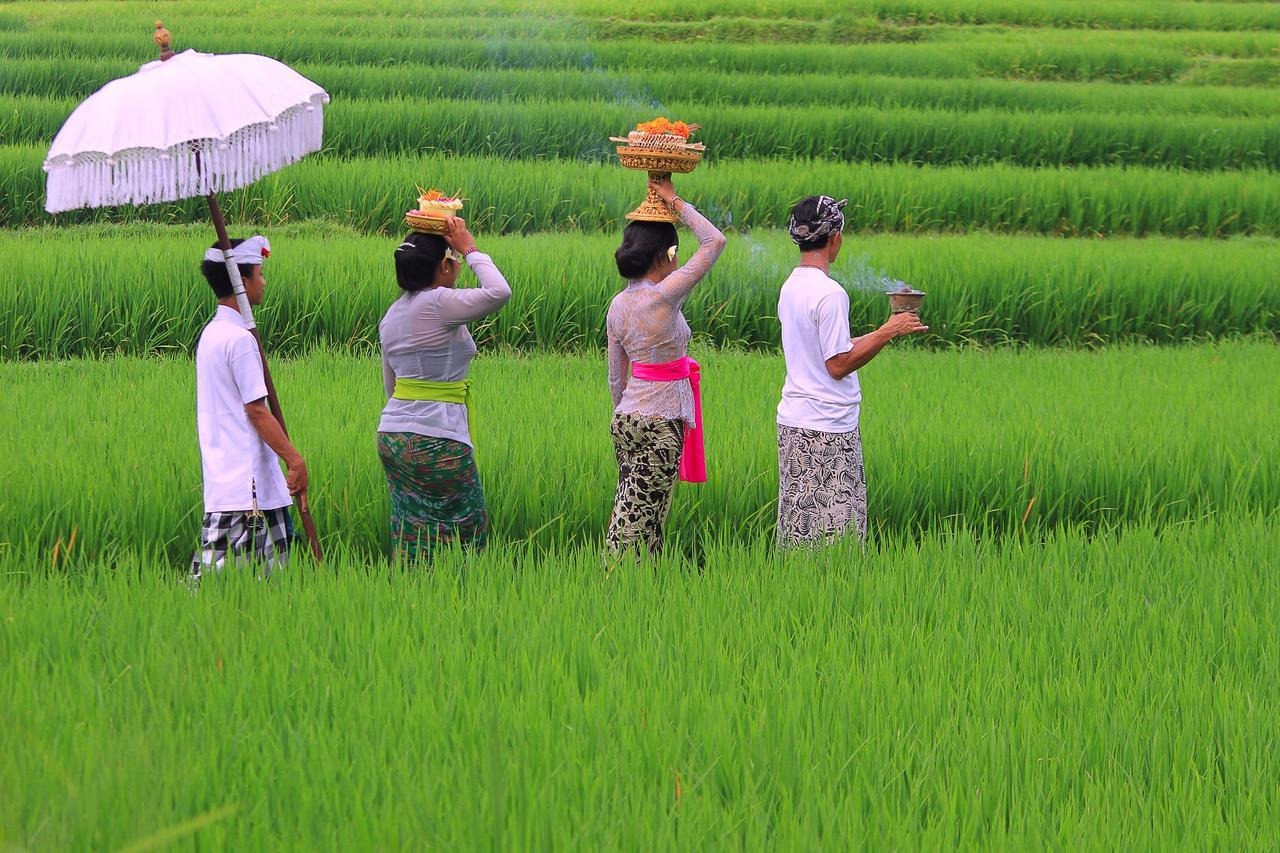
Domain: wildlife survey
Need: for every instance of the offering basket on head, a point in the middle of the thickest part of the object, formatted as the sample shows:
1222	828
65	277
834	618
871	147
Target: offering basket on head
659	147
433	209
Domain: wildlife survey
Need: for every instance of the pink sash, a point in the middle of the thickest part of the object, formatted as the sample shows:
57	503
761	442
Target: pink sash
693	458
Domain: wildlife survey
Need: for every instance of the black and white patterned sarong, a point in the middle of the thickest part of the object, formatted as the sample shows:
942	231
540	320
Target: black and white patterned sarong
822	488
261	537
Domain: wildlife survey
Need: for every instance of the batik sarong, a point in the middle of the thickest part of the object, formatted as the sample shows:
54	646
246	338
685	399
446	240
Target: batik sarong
261	538
648	454
436	496
822	488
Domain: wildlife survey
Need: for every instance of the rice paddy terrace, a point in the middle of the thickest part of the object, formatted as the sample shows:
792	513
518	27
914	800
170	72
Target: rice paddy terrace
1061	633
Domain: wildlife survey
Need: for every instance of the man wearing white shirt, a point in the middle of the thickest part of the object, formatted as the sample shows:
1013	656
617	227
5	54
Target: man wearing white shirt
246	497
822	489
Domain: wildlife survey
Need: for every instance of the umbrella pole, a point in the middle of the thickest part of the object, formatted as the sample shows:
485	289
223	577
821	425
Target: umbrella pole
273	401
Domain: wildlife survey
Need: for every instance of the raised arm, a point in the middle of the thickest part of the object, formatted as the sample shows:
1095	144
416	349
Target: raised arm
463	306
472	303
677	286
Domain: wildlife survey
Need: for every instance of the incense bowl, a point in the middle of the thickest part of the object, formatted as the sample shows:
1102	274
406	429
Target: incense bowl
905	299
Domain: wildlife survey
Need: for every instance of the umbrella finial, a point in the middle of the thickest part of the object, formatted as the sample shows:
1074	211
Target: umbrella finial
163	40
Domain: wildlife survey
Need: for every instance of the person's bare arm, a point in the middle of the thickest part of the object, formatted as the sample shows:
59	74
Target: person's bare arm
272	433
868	346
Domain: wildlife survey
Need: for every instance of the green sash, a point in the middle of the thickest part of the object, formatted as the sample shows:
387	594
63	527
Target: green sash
440	392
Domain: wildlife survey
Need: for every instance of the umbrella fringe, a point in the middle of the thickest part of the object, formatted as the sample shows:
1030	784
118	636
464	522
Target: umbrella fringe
152	175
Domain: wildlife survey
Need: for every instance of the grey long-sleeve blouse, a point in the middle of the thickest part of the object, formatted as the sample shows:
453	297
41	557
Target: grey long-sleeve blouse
424	336
645	325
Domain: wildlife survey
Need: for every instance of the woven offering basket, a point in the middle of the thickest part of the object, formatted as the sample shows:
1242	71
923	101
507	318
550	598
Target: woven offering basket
426	224
657	160
660	155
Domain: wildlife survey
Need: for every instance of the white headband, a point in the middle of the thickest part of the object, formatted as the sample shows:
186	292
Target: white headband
253	251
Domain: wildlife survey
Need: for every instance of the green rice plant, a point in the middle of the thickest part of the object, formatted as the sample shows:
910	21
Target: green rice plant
960	692
88	291
552	195
577	129
363	16
653	89
1054	13
1055	60
1236	72
840	29
1197	43
1006	442
843	30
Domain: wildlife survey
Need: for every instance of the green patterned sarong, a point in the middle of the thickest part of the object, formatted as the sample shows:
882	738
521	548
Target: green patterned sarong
436	495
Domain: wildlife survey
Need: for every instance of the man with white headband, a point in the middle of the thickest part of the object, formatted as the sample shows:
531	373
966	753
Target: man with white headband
822	491
246	497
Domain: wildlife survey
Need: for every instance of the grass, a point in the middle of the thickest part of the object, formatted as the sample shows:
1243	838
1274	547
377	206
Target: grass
522	196
1010	442
575	129
363	16
1092	694
1049	59
399	33
655	88
139	291
1060	636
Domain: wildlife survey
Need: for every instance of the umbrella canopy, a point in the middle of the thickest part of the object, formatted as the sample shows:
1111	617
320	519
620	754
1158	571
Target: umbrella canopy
196	124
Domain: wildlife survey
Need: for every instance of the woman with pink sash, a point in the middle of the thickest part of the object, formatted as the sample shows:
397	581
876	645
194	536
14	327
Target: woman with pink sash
657	420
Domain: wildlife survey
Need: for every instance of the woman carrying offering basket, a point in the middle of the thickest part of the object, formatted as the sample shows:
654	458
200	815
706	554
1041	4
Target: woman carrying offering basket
657	422
425	435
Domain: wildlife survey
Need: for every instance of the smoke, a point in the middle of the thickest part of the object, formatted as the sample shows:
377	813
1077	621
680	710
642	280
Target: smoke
769	267
857	275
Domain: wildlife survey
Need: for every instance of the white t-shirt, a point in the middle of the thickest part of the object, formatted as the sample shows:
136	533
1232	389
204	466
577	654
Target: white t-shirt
235	459
814	311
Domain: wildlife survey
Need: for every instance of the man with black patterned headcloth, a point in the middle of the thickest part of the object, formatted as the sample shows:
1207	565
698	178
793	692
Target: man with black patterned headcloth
822	491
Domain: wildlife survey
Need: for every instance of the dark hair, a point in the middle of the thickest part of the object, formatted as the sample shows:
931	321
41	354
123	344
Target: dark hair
215	272
417	260
642	244
806	211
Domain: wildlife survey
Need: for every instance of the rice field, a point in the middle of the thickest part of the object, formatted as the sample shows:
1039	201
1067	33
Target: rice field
962	692
1070	60
1059	634
52	78
1013	442
539	195
329	288
570	130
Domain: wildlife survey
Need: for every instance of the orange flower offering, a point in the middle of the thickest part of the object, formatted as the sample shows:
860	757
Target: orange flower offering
662	125
435	204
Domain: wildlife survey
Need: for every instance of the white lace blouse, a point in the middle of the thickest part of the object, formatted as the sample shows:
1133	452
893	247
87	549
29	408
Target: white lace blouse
645	325
424	336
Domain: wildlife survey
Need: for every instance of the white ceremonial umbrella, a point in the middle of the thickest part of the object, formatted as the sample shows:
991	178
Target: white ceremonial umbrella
189	124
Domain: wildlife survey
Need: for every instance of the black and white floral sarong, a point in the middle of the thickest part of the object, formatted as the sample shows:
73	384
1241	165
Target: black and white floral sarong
822	489
648	454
